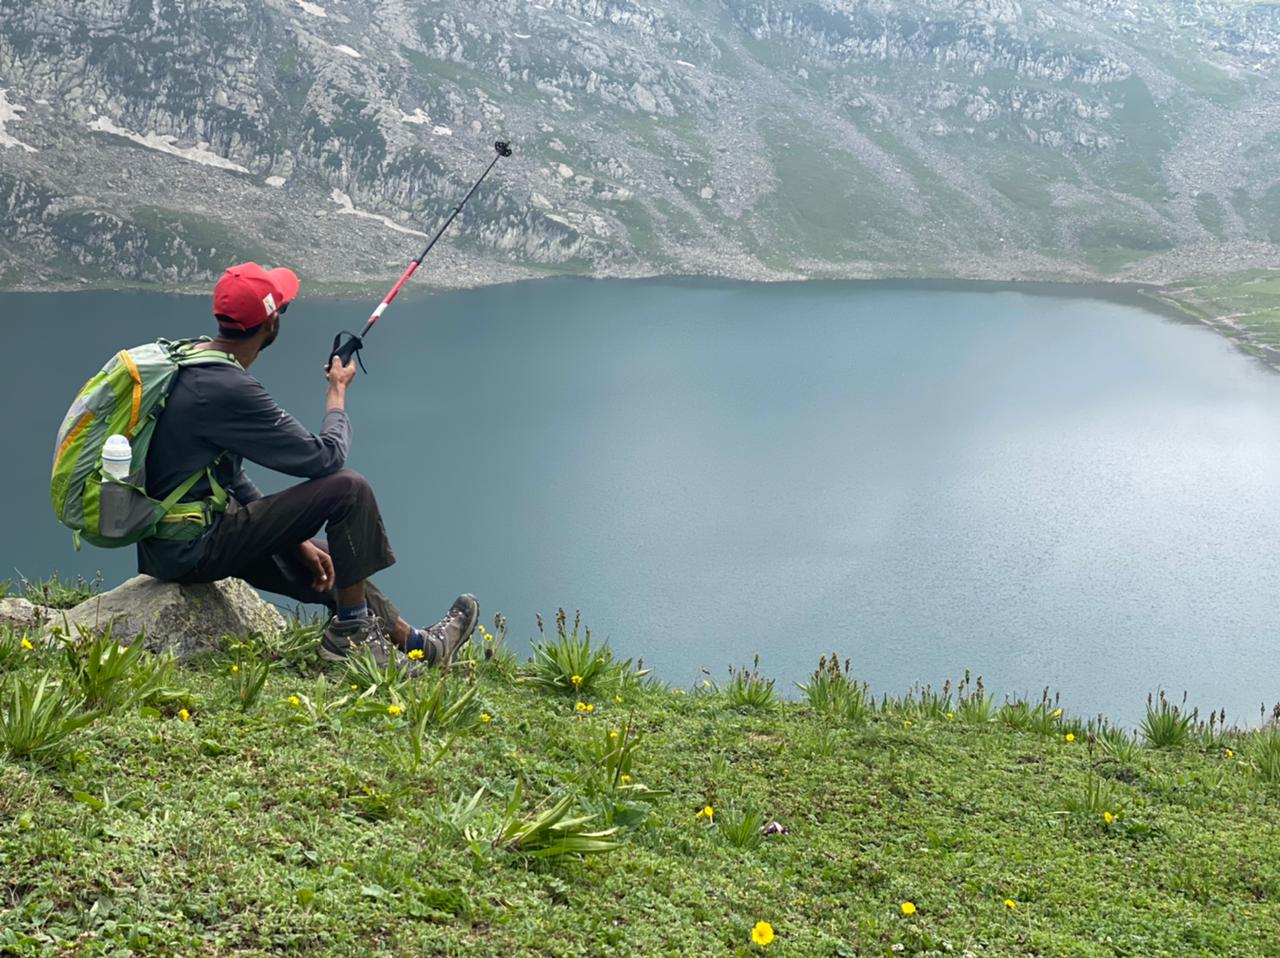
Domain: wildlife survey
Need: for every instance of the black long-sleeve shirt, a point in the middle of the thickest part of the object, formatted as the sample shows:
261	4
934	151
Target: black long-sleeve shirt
221	409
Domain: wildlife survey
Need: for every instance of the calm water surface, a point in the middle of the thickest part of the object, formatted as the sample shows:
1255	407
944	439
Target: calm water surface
1048	490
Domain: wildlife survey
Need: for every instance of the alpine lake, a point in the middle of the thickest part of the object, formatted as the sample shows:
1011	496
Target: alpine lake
1049	488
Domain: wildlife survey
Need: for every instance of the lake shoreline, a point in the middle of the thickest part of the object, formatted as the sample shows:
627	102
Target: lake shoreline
1124	291
1154	297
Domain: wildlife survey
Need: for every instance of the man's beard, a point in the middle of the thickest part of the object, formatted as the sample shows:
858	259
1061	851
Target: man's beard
271	338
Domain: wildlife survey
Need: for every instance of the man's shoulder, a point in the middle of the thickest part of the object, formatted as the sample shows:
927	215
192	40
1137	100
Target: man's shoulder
224	381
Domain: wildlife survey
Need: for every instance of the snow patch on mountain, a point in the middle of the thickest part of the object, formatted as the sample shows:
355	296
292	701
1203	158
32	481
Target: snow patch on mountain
8	113
349	208
200	153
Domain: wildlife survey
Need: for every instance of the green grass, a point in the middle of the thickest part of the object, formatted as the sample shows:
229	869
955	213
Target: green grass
1183	60
1147	133
1166	725
1245	303
828	205
1210	214
524	827
58	593
1269	213
1110	245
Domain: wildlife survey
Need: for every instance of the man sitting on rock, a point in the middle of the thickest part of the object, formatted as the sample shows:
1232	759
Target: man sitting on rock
217	413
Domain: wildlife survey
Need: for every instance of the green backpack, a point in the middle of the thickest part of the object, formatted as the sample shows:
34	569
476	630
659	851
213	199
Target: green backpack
126	397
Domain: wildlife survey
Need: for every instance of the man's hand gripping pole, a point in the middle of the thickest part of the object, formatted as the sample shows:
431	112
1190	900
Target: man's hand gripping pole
347	344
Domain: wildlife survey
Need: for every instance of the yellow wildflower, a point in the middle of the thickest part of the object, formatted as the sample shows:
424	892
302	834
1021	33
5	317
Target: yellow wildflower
26	644
235	669
625	779
1010	904
393	710
183	715
591	707
707	812
486	636
486	717
706	684
1057	713
906	723
581	706
1230	754
1108	817
618	699
416	654
576	681
1070	736
613	733
951	715
294	700
908	908
762	933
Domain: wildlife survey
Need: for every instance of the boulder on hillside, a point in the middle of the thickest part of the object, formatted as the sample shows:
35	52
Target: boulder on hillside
22	615
185	619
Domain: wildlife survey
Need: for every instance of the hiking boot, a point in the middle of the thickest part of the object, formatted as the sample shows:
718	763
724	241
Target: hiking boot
346	637
446	637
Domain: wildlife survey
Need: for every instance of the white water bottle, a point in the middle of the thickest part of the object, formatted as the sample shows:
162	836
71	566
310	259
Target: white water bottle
117	456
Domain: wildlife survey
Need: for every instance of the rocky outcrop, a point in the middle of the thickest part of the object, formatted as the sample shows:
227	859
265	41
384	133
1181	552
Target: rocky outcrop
22	615
186	619
157	141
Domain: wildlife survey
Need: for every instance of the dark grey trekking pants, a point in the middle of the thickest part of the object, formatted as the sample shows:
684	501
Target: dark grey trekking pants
258	542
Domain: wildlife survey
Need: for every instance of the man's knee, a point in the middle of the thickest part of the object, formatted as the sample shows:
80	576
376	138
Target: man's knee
352	486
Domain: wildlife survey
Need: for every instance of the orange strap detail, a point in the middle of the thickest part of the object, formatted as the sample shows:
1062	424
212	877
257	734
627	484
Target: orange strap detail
71	437
137	388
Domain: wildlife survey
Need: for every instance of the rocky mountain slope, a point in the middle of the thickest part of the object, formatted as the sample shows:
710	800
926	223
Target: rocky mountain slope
157	140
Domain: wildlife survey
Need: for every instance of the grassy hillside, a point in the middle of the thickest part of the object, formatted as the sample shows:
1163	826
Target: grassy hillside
1244	304
196	813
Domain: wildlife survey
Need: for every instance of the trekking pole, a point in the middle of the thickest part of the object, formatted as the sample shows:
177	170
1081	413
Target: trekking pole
344	350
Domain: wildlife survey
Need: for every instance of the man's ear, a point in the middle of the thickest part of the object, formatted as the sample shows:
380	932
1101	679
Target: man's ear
267	331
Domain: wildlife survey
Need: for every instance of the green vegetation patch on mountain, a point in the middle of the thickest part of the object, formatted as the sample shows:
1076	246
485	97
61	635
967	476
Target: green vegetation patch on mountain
1244	306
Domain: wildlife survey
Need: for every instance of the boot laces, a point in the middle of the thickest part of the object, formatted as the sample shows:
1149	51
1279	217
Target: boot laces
450	617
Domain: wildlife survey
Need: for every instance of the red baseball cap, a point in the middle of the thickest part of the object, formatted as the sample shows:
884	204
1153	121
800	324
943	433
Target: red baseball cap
247	294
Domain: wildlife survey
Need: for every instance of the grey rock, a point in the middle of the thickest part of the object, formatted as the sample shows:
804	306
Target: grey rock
21	614
185	619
